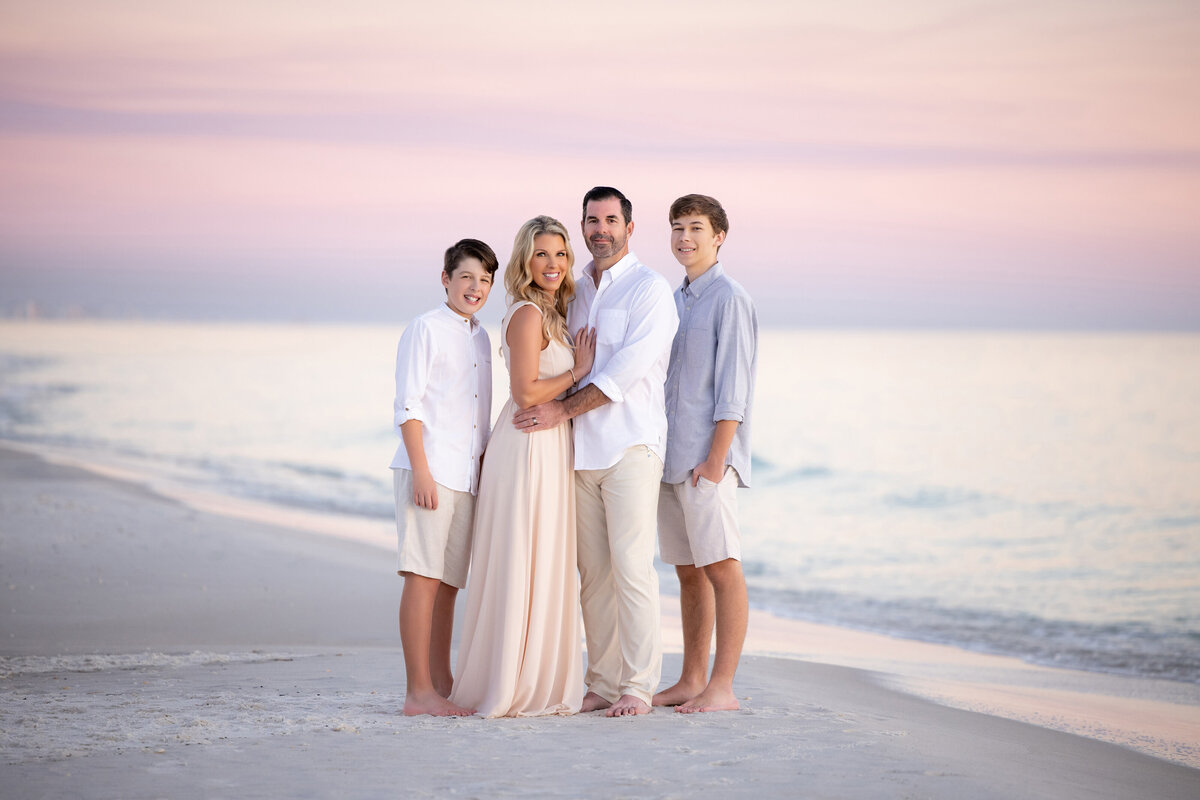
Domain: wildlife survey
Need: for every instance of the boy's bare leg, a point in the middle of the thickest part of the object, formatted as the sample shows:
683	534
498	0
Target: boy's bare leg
732	612
696	608
439	639
416	623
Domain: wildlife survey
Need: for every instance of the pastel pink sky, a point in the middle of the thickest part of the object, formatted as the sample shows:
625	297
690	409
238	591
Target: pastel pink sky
917	163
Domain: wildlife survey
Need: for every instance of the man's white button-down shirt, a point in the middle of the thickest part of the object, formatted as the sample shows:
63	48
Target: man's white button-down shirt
633	312
444	379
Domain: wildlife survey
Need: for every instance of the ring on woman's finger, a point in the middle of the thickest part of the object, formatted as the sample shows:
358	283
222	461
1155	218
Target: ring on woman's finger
535	420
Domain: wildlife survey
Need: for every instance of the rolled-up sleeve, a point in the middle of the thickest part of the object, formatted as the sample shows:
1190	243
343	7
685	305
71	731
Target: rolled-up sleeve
414	360
651	328
733	379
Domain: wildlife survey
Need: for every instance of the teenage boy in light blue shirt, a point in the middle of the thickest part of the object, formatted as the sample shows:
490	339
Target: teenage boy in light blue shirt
709	394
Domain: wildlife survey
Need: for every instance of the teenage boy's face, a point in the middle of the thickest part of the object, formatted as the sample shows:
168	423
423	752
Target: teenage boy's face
693	242
467	287
604	228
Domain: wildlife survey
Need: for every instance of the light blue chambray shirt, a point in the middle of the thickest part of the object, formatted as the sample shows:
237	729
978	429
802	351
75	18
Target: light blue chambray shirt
714	362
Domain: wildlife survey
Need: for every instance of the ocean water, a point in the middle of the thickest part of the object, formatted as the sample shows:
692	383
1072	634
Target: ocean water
1029	494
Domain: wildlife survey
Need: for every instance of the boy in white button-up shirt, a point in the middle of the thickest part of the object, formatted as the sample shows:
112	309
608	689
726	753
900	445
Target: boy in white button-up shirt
442	410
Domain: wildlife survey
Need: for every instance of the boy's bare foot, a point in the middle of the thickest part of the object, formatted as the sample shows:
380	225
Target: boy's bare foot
593	702
627	706
678	694
433	704
710	700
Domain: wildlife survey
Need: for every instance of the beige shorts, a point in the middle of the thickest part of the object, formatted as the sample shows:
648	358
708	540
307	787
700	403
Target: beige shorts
697	525
434	543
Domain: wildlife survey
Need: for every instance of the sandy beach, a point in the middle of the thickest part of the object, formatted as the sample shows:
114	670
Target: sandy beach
153	649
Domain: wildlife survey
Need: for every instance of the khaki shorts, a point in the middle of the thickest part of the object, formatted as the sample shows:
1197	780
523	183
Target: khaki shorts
434	543
697	525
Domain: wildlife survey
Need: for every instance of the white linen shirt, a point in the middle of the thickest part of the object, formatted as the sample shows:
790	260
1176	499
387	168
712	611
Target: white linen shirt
444	379
634	315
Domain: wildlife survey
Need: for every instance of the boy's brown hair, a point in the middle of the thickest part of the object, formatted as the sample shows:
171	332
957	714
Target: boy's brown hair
700	205
469	248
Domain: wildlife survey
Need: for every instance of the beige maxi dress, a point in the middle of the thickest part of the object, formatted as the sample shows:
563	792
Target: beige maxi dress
520	652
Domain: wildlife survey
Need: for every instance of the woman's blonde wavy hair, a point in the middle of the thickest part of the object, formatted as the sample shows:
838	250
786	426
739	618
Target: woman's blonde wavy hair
518	278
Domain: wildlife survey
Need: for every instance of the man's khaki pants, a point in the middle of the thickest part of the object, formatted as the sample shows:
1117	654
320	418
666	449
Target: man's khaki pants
617	510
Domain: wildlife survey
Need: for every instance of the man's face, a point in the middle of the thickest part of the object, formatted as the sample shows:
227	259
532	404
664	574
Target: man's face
605	230
693	242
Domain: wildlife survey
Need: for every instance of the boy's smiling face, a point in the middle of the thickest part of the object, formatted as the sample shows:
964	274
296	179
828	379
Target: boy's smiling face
467	287
693	242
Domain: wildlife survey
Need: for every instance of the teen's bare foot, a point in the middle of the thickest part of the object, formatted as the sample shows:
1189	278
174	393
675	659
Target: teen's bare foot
627	706
678	694
433	704
710	700
593	702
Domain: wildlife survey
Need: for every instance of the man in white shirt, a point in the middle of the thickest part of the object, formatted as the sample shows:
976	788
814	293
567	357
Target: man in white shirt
620	442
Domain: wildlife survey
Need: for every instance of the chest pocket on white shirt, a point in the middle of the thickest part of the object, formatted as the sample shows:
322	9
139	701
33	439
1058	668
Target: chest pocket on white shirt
610	326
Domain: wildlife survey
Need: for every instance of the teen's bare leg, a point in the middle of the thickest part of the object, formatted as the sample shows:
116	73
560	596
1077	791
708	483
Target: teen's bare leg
439	638
732	612
416	624
697	610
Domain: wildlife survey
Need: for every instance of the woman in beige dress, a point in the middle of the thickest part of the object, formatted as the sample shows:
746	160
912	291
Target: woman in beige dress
520	653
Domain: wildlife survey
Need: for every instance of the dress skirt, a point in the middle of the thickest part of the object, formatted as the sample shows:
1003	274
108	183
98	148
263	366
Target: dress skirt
520	652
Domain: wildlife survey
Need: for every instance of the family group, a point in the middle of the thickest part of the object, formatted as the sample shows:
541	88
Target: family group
627	425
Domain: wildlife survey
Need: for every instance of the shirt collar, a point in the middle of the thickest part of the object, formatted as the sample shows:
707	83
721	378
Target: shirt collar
698	286
458	319
615	271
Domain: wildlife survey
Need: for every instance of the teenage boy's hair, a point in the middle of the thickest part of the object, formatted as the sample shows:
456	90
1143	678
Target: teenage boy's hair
608	193
700	205
470	248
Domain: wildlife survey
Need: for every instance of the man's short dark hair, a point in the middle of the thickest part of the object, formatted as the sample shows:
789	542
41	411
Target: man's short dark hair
469	248
608	193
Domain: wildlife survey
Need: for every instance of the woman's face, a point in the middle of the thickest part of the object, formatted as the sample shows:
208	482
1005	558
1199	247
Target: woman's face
549	263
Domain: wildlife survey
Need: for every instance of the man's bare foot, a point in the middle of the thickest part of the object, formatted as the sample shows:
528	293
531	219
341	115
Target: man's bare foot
433	704
627	706
678	694
710	700
593	702
443	686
